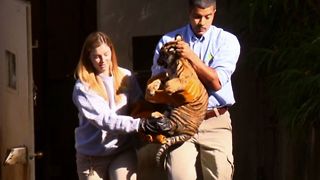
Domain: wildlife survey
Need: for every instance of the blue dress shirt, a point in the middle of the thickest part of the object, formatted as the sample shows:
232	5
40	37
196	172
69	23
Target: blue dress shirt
218	49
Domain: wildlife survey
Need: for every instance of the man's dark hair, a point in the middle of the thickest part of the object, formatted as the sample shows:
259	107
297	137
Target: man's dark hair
201	3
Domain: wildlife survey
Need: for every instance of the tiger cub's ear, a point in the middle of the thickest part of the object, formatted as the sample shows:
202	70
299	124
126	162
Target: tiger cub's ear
178	37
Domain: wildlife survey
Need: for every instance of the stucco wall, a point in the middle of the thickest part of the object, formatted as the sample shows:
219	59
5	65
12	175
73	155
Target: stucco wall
123	19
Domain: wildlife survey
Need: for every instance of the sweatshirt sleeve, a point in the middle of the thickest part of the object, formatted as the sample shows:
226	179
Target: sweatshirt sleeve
95	110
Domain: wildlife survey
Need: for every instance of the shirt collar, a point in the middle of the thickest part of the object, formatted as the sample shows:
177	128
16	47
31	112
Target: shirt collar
192	37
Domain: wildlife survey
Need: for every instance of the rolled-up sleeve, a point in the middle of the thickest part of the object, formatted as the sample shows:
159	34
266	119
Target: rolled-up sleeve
226	57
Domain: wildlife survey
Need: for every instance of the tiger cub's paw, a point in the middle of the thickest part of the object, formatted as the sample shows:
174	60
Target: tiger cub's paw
161	139
156	114
153	87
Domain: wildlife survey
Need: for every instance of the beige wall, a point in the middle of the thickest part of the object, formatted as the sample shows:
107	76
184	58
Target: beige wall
124	19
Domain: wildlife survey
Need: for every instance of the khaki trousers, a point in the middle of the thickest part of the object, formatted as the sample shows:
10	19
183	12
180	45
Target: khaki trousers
207	156
117	167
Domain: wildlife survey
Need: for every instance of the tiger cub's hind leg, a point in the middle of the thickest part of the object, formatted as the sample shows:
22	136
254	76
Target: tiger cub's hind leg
160	156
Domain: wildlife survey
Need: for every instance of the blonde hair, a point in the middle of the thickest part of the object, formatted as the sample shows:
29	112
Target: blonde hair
86	72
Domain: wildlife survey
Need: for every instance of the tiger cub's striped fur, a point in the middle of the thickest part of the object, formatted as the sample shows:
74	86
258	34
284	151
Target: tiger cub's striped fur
180	88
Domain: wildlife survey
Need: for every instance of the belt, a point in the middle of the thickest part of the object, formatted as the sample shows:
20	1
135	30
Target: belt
215	112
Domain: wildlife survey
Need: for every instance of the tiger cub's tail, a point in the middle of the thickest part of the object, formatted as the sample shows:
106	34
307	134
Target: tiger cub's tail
169	142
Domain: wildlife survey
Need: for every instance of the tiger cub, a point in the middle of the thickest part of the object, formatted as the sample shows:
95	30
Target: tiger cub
179	88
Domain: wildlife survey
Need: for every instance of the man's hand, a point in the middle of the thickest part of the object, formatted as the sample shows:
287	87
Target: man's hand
185	51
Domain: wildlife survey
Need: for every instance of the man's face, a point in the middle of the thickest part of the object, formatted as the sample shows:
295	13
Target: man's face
201	19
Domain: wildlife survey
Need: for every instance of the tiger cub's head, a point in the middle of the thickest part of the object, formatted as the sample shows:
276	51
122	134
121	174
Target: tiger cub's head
168	54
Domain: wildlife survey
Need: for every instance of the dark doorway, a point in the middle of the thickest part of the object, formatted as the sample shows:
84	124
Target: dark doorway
143	49
58	31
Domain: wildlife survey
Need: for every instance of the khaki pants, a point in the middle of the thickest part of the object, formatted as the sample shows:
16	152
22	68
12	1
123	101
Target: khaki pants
207	156
116	167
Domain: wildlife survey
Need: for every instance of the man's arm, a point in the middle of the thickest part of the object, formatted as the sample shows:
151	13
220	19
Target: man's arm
207	75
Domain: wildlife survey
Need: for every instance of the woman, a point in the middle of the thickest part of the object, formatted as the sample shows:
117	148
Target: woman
103	94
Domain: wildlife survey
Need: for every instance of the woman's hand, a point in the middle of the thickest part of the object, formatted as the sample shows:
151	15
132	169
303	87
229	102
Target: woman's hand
159	125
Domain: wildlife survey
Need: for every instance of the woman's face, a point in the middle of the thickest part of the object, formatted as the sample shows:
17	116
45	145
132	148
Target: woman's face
101	59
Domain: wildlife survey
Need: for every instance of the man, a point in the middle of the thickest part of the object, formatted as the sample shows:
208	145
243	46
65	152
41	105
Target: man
213	53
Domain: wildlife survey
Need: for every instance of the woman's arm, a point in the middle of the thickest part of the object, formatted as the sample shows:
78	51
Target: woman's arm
96	110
